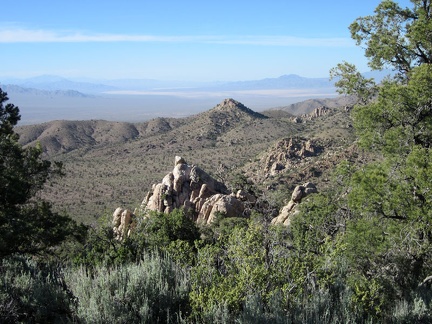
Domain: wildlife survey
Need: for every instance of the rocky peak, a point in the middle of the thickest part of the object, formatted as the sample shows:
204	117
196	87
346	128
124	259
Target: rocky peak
230	103
233	106
224	117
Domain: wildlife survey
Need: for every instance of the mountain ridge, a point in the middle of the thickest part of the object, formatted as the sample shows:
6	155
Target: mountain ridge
109	163
62	136
14	89
307	106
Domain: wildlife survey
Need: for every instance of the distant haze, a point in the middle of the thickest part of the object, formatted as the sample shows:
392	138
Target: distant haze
47	97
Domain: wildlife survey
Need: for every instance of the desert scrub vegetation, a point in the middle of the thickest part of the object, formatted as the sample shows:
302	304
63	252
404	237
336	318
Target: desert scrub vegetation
153	290
31	291
245	271
358	252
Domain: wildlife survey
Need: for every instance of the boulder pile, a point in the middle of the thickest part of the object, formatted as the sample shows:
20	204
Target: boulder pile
288	152
190	187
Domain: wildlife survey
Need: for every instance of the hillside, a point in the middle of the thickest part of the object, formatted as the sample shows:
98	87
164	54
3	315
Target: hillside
110	164
64	136
307	106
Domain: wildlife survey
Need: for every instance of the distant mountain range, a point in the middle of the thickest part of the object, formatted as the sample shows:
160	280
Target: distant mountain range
15	90
52	83
93	86
291	81
49	97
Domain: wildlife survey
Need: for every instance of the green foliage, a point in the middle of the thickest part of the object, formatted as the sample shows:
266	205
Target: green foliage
101	248
369	296
31	292
224	226
159	229
173	233
241	182
352	82
9	116
396	37
27	224
386	244
316	224
400	118
244	262
392	208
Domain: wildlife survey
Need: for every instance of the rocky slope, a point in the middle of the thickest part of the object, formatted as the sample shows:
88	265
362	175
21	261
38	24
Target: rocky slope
308	106
112	164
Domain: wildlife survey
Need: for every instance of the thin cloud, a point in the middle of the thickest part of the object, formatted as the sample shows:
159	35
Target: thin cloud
286	41
16	35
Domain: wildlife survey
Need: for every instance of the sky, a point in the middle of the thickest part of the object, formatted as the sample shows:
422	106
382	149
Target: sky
179	40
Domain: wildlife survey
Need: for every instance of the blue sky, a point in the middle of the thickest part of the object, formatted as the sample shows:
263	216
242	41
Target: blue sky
179	40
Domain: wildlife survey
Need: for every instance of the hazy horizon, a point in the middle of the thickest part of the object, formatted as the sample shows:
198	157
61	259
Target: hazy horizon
49	98
138	108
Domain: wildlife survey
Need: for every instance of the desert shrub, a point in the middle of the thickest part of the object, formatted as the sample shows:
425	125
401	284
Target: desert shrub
101	248
174	234
154	290
159	229
251	257
33	293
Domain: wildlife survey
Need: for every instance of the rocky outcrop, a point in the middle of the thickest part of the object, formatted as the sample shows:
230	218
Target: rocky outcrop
317	112
123	223
289	210
227	205
189	187
288	152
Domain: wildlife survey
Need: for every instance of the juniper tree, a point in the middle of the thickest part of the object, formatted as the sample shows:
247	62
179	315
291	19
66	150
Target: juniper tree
27	223
388	236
